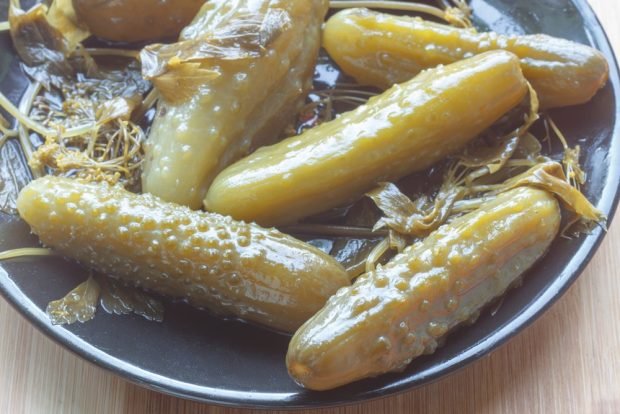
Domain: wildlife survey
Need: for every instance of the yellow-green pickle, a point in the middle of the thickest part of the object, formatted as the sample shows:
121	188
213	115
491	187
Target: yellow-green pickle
406	129
400	311
382	49
232	268
256	60
136	20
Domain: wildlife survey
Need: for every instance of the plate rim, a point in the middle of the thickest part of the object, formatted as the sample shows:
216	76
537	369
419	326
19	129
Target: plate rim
240	399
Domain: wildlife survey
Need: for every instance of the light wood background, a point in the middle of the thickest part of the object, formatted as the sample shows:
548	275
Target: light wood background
567	362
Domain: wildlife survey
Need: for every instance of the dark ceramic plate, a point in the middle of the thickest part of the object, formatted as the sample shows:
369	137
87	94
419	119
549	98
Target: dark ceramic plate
197	356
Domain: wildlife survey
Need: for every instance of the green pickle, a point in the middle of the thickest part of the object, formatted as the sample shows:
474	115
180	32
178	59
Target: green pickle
232	268
136	20
262	56
401	310
406	129
382	49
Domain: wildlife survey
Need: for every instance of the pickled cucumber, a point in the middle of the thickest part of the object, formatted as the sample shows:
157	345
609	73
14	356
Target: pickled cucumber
381	49
251	99
400	311
136	20
232	268
404	130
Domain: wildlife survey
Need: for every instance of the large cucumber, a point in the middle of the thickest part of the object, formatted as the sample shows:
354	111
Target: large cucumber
252	99
400	311
382	49
406	129
232	268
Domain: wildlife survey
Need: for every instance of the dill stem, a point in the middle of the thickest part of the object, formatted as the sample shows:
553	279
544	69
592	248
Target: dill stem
25	252
147	103
390	5
327	230
102	51
23	118
27	122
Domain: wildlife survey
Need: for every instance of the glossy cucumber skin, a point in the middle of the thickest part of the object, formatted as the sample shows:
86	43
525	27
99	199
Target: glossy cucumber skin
382	49
232	268
249	104
398	312
406	129
136	20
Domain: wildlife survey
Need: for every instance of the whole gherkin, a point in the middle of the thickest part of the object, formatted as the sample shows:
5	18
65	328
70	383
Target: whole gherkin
406	129
401	310
230	267
262	54
382	49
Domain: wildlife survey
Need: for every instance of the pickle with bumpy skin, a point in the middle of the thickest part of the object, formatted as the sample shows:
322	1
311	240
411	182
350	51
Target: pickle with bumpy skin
406	129
261	57
401	310
232	268
382	49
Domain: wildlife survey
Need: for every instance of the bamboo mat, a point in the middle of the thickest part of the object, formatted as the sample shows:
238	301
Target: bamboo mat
566	362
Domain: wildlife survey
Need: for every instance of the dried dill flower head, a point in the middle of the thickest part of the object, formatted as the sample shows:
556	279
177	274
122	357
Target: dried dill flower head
109	147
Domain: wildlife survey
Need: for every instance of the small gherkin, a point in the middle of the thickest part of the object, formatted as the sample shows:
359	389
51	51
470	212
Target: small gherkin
401	310
263	53
382	49
230	267
406	129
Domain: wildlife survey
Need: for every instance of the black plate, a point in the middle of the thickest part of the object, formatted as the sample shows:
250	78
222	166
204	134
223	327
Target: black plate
197	356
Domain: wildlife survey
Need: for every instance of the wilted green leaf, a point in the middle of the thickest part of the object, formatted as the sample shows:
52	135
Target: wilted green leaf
78	305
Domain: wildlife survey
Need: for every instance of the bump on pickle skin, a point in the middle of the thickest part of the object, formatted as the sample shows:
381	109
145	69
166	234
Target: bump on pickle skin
247	106
403	309
230	267
381	49
404	130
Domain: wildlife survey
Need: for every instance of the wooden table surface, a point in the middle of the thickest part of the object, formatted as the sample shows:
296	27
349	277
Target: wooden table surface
567	362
